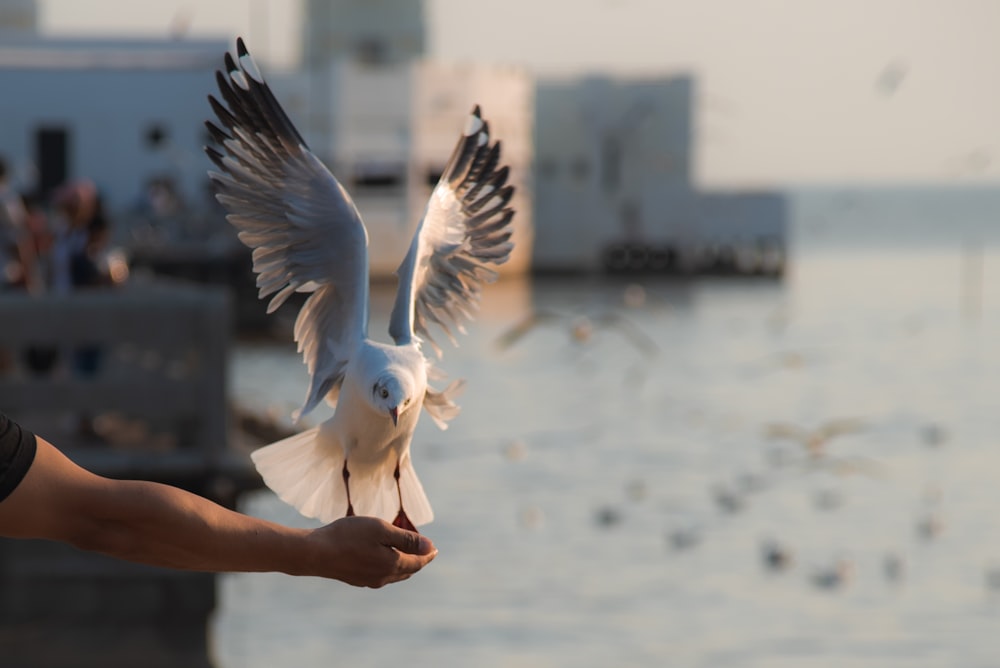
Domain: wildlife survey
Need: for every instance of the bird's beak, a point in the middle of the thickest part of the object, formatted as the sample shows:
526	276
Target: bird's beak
394	413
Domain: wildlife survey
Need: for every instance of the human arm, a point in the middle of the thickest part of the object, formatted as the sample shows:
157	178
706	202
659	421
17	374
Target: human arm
160	525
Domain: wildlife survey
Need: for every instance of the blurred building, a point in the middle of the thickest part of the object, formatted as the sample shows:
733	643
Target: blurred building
385	118
374	32
613	185
612	164
18	18
602	164
388	131
127	114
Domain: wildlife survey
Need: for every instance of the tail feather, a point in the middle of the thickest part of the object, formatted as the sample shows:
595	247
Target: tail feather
305	471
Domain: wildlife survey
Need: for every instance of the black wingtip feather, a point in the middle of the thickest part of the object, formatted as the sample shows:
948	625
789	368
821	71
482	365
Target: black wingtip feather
217	134
216	158
222	113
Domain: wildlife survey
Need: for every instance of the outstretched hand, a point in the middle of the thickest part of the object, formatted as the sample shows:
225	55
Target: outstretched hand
369	552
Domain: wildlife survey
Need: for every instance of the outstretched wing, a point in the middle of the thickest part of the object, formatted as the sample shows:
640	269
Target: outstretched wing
465	228
304	230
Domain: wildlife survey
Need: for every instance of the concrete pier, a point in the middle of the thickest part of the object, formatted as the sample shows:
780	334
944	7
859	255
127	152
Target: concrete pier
129	383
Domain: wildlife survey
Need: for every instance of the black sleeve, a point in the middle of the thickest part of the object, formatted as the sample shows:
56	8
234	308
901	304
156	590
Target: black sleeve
17	451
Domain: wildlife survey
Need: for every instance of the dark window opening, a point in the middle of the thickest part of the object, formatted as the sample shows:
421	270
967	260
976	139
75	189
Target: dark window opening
631	220
580	169
611	163
52	158
380	176
156	136
433	176
372	51
547	168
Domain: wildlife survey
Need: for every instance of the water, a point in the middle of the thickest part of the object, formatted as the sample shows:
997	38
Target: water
569	489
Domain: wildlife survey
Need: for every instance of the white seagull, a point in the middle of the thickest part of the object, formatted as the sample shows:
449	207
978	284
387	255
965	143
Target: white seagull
307	236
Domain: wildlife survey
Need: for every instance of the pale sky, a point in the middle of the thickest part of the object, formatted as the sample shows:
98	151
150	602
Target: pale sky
789	91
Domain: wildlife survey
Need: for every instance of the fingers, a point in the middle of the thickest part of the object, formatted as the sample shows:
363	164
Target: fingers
408	564
409	542
373	553
413	550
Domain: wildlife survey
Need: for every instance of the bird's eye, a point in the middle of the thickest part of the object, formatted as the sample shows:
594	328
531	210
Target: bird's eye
406	403
384	393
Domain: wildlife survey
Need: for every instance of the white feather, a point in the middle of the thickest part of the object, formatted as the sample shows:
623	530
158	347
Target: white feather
305	472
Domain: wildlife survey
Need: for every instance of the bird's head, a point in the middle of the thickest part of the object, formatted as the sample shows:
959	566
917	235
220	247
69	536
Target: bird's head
393	394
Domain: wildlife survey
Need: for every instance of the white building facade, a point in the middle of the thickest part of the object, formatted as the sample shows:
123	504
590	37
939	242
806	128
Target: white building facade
602	165
614	190
122	113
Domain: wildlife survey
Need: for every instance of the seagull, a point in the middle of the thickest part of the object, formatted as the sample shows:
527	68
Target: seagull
837	575
776	557
307	236
581	328
814	440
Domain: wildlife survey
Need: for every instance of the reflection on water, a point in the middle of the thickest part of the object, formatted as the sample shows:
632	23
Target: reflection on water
600	505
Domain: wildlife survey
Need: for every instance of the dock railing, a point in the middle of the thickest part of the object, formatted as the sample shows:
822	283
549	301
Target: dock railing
149	359
129	383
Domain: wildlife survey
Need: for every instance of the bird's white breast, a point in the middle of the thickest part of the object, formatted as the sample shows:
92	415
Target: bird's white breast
368	436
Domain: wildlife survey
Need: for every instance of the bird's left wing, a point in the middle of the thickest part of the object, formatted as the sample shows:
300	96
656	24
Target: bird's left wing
303	227
465	228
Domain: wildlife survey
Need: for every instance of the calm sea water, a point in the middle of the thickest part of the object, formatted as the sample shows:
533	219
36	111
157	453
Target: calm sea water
600	506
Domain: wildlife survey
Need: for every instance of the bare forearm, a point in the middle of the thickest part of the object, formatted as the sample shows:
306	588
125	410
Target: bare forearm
165	526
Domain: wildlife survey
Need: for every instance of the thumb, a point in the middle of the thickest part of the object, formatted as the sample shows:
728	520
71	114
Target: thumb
409	542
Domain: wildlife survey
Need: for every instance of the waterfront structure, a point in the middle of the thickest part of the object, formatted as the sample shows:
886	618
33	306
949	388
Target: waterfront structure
613	185
127	114
384	117
602	164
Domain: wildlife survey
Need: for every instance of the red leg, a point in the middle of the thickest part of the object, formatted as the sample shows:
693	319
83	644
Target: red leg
347	475
402	521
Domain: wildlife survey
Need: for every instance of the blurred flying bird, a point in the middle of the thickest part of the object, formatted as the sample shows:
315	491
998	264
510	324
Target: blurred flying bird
891	77
776	557
893	567
728	499
992	578
634	295
933	434
828	499
814	440
608	516
684	538
580	329
930	525
834	576
307	236
815	443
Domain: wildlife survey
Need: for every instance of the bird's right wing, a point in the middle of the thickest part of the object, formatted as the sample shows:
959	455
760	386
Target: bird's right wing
466	228
303	227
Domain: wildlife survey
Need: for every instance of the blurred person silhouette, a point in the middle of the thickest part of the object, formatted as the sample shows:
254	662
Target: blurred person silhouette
39	359
17	258
17	261
43	494
40	237
81	233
